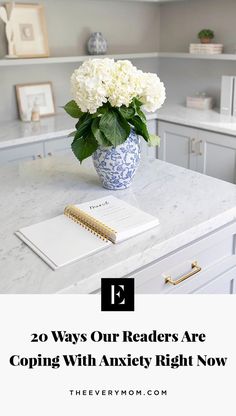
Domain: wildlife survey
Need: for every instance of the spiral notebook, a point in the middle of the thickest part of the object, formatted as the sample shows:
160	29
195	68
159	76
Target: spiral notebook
85	229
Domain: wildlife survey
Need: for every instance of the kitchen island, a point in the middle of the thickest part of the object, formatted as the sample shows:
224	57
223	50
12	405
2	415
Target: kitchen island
197	217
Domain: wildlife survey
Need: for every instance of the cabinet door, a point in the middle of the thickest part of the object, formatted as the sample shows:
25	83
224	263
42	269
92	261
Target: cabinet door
217	155
177	144
149	152
55	146
19	153
225	284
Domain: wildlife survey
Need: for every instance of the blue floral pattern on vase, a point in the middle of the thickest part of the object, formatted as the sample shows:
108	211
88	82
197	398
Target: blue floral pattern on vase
116	166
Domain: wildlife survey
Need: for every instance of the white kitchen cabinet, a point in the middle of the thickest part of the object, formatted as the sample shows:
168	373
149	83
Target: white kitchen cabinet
57	146
225	285
33	151
216	155
205	266
30	151
207	152
177	145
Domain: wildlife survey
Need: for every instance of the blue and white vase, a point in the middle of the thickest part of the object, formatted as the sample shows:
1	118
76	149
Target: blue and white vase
97	45
116	166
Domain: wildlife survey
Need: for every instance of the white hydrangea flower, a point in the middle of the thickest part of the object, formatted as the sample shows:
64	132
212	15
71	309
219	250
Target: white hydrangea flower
124	86
153	94
90	84
100	80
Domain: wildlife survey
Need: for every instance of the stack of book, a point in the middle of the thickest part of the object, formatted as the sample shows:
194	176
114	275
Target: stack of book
206	48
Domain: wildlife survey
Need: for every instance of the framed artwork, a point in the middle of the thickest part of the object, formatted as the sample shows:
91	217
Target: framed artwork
29	30
35	95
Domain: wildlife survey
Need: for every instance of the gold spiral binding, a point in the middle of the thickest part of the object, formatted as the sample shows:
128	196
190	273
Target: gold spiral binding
96	227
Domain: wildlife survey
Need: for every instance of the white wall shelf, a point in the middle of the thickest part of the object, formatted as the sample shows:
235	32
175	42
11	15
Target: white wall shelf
74	59
179	55
147	55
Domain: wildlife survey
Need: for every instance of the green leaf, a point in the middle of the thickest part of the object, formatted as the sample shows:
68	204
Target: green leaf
140	127
154	140
206	33
127	112
141	115
72	134
98	134
100	111
137	107
114	127
84	147
83	126
137	103
73	109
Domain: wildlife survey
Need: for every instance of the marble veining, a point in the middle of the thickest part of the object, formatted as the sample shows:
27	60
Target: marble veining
188	204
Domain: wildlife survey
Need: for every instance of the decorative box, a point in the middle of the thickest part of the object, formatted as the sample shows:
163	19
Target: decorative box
200	103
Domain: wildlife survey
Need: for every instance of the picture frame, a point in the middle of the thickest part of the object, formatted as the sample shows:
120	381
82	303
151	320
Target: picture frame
29	30
36	94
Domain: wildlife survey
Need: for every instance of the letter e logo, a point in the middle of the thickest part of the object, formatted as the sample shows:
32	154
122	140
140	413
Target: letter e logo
117	294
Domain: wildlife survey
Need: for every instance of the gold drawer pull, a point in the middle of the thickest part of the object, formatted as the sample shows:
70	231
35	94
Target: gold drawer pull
195	269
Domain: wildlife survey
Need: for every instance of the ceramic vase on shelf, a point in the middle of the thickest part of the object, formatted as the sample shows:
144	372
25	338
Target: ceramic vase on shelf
116	166
97	45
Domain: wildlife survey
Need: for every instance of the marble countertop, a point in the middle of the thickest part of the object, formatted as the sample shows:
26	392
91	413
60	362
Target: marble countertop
18	133
188	204
210	120
13	133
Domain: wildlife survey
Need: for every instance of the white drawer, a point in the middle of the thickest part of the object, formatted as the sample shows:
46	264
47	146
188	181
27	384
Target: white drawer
210	252
223	284
59	145
29	151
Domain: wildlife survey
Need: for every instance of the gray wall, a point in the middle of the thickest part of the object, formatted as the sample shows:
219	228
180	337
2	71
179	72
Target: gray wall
59	74
128	27
188	77
180	22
